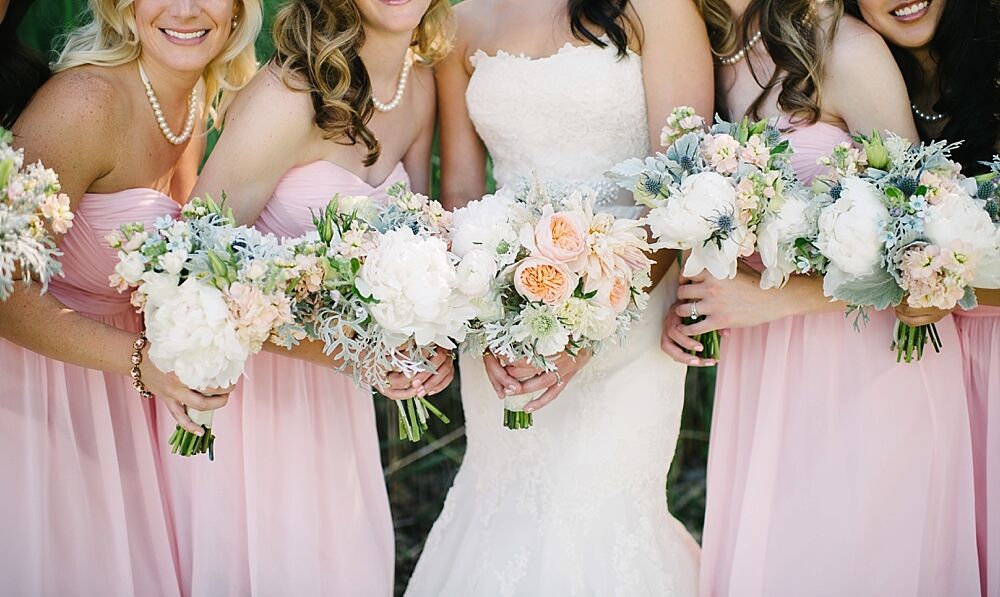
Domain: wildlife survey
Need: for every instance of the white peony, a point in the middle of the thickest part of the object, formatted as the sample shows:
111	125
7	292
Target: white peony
476	273
601	323
486	224
706	202
959	217
775	235
850	229
191	334
130	266
416	288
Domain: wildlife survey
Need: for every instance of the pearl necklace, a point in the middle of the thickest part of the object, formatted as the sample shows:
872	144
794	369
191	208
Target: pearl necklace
404	75
731	60
925	116
158	112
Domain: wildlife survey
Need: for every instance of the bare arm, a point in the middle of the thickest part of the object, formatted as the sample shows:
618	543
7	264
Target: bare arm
76	146
463	156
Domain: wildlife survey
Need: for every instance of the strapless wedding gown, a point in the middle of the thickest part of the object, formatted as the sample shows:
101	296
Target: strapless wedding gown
577	504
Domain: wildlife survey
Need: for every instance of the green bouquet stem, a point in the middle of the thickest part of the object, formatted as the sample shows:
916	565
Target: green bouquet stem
517	419
185	443
413	416
910	341
710	342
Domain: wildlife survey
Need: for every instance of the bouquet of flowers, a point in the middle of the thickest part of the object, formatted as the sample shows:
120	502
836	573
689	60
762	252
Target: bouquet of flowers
29	198
988	191
901	225
550	276
211	294
714	191
379	287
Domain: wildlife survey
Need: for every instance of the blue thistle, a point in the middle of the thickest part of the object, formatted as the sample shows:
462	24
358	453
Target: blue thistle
993	209
651	185
687	163
986	189
836	190
906	184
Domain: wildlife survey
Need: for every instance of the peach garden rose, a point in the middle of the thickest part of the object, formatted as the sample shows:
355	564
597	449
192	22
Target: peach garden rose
544	280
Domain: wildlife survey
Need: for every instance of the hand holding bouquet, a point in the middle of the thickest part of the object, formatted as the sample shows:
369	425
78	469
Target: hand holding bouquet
211	295
551	276
29	199
714	192
377	285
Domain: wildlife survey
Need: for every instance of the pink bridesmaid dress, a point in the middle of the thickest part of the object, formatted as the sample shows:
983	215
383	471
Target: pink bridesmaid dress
295	502
82	509
979	333
833	470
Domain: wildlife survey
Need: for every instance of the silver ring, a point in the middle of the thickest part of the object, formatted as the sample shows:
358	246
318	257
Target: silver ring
694	310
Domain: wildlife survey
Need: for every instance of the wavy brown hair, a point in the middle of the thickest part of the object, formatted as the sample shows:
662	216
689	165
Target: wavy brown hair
317	44
795	40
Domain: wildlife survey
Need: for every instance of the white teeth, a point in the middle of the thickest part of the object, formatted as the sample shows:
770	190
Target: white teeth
911	9
179	35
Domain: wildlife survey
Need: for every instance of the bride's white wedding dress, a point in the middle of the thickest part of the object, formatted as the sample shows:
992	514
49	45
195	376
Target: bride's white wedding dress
576	505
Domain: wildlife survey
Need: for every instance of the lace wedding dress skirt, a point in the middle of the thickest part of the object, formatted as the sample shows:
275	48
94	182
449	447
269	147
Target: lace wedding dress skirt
575	505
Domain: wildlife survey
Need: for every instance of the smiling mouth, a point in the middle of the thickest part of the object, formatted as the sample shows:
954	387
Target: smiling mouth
911	11
185	35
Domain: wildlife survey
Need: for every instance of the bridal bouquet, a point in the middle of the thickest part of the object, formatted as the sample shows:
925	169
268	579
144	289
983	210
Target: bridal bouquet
902	225
550	276
379	287
211	294
714	191
29	198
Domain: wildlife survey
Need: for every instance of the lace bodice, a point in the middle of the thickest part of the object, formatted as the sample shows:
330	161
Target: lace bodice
564	118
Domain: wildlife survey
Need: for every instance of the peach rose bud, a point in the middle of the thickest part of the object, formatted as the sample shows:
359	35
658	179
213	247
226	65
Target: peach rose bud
544	280
560	236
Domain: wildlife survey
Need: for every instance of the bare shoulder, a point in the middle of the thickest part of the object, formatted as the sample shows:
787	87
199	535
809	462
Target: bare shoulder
473	19
82	100
667	19
858	51
268	104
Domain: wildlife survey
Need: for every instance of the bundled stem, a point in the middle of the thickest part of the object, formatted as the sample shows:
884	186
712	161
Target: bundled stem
711	342
413	415
910	341
517	419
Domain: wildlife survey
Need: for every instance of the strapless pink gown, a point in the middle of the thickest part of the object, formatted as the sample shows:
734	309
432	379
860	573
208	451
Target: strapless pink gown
979	333
295	502
833	470
81	510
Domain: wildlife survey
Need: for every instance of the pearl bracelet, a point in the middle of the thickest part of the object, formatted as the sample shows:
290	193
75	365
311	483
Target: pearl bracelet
140	387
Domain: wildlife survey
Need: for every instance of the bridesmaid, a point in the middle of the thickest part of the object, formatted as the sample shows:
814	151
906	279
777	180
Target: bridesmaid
946	50
295	502
82	510
22	70
832	470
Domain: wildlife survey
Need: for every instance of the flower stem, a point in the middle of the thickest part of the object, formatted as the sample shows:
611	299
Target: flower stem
517	419
710	342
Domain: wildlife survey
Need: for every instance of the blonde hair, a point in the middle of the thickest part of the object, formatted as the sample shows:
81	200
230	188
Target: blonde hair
796	41
110	38
317	44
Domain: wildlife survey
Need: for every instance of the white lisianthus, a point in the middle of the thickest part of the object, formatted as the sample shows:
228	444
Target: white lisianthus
476	273
850	229
416	289
130	266
173	262
191	334
705	204
775	235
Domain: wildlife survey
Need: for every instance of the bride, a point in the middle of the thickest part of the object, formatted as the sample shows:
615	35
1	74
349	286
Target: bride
575	505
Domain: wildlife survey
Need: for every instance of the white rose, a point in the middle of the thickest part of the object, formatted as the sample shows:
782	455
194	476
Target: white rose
130	266
173	262
850	229
192	335
486	224
775	235
476	273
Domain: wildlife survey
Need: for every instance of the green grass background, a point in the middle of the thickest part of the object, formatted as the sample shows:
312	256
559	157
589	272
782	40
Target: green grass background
419	475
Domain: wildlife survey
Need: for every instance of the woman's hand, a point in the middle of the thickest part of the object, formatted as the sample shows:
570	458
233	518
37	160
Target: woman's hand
736	303
177	397
676	343
523	378
914	317
398	386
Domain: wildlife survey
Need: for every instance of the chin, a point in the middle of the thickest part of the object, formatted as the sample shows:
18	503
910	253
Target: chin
393	16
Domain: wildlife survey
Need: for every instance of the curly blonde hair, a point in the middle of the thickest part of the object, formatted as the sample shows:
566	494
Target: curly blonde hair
110	38
317	44
796	41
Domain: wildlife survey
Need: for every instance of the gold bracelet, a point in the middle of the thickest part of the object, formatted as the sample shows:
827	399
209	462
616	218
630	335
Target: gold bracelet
140	387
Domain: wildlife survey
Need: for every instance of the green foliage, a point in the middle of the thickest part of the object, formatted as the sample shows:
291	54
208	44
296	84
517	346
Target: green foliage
419	475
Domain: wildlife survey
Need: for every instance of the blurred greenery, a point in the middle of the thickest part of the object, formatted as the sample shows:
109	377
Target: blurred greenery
419	475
